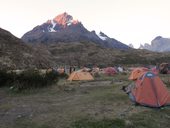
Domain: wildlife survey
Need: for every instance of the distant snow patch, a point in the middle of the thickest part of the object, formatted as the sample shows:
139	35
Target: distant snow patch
69	22
53	23
52	30
102	37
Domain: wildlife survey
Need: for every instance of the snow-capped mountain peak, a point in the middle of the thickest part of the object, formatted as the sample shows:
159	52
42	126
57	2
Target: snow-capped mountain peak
63	28
59	22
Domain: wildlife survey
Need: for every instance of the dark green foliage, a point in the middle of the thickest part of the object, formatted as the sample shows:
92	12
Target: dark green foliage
105	123
28	79
6	79
32	79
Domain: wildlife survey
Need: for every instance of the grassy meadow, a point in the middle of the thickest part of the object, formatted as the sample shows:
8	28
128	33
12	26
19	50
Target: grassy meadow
83	104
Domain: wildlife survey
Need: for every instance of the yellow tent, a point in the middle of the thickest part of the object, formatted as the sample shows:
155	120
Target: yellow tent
80	76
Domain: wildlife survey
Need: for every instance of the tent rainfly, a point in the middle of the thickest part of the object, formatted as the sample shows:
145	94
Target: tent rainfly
78	75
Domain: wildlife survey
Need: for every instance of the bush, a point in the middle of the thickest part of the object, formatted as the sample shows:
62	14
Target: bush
28	79
6	79
32	79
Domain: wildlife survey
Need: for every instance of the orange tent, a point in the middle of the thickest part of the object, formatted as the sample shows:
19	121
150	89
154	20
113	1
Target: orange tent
78	75
150	91
137	72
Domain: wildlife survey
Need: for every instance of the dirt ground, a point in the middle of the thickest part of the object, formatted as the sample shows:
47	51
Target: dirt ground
60	105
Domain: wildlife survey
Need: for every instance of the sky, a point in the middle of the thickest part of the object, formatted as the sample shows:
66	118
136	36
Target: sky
129	21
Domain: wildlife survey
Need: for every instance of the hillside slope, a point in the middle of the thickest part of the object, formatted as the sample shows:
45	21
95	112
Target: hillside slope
15	54
84	53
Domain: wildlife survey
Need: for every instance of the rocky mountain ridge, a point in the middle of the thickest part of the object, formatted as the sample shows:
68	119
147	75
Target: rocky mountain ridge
63	28
159	44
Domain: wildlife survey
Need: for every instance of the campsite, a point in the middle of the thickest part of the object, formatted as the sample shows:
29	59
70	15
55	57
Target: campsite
84	64
94	103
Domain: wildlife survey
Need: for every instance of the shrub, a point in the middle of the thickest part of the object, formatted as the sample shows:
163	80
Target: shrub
27	80
6	79
32	79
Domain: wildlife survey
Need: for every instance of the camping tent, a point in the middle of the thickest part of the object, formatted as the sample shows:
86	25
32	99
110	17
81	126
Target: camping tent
110	71
79	75
137	72
150	91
